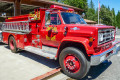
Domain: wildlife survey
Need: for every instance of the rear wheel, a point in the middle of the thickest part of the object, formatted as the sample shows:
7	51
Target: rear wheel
74	63
12	44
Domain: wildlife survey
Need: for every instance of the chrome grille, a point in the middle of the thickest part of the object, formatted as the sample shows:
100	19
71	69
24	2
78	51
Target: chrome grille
107	35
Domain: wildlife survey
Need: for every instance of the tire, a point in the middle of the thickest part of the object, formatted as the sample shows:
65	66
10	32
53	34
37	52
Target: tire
74	63
12	44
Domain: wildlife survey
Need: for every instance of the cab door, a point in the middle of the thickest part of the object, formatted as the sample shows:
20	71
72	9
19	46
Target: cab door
52	32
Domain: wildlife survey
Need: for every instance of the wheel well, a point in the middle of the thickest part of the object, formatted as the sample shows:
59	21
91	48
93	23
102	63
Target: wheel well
73	44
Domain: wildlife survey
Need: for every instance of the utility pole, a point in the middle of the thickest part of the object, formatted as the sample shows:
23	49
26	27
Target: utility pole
98	11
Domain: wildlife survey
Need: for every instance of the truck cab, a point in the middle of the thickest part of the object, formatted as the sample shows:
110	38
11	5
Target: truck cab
61	34
53	30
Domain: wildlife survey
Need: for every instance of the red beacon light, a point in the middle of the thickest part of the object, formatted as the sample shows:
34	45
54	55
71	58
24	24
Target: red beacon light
61	8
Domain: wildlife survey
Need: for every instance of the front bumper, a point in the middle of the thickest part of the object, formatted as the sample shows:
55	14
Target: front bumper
97	59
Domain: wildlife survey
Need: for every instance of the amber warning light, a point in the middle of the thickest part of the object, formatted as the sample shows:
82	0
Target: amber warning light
61	8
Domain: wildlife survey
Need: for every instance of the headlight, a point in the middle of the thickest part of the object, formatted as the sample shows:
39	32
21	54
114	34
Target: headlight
100	36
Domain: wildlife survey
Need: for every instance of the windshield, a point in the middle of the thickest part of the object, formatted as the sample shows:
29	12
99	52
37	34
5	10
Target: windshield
71	18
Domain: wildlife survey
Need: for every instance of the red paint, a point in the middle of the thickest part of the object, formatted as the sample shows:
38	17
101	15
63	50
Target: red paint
72	63
61	8
38	27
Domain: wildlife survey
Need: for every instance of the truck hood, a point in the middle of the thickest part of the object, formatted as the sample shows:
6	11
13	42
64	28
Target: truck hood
85	29
89	26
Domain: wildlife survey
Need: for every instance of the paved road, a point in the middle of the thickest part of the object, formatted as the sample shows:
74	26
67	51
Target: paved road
25	66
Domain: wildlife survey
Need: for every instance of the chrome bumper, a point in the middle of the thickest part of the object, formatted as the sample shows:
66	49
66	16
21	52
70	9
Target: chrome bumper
97	59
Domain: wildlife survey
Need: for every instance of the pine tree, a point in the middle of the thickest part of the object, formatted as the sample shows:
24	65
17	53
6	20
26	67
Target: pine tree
106	15
77	3
91	5
55	0
113	17
90	14
118	19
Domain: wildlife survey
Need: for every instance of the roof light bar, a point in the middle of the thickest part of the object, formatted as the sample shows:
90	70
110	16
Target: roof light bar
61	8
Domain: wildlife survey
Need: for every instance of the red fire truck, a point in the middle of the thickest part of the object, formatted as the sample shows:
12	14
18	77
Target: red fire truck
61	34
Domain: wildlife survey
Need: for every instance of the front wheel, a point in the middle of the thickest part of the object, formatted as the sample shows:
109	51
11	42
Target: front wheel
74	63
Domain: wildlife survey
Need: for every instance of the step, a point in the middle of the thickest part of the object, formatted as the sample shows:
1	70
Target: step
42	52
48	49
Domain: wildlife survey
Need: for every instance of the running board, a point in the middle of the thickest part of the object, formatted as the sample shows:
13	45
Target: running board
42	52
49	49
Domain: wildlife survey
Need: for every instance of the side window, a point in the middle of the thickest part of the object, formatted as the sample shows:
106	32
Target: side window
51	19
47	18
55	20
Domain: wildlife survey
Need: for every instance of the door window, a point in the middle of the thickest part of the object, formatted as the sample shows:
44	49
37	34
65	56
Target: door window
55	20
52	19
47	18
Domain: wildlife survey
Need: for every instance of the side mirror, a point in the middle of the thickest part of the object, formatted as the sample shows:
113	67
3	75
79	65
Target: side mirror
83	15
47	25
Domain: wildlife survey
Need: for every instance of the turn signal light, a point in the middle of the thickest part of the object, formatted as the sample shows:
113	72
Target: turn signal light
91	39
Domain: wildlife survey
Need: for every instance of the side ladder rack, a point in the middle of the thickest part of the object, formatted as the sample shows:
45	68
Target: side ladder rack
19	26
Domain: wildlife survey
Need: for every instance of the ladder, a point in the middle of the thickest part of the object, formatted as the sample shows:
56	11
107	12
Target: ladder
18	26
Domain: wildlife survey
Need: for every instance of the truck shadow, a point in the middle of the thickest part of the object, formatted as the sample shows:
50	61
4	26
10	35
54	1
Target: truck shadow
48	62
1	44
42	60
95	71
